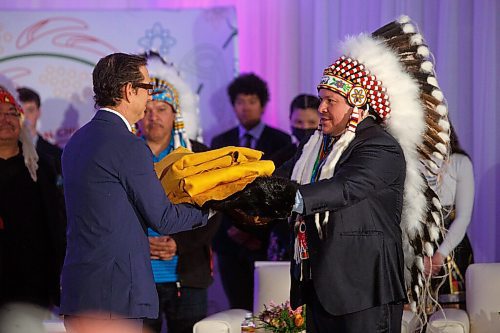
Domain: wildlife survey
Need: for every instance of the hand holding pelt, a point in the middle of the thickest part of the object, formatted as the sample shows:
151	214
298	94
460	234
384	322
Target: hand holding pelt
263	200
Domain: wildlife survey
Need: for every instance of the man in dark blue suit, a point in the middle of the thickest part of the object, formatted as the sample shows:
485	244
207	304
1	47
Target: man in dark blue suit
112	196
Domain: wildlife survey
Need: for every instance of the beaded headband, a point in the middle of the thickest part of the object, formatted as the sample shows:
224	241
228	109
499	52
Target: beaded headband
166	92
6	97
352	80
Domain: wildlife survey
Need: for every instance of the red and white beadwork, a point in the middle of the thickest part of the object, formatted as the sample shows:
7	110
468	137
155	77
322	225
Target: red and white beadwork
360	87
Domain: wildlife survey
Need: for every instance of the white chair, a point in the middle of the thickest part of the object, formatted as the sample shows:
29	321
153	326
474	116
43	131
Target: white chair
54	326
271	284
221	322
482	302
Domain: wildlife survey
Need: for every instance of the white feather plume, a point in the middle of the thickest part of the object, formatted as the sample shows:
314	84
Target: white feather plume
406	124
442	110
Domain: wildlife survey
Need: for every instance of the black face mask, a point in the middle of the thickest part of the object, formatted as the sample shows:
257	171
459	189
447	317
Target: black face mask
301	133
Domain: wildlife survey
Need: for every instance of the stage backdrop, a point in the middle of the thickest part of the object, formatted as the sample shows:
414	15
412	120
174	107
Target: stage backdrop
54	53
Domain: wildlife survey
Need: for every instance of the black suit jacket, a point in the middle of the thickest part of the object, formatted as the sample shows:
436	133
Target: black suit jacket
50	153
359	263
270	141
13	246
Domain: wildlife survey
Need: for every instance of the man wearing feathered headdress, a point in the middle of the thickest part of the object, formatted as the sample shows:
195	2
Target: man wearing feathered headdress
348	259
182	263
360	198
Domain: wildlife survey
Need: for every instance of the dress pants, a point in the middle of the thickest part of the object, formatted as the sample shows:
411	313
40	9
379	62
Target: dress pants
236	272
182	307
385	318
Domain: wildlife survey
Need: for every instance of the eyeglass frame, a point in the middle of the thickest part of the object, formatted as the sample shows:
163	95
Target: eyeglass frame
150	87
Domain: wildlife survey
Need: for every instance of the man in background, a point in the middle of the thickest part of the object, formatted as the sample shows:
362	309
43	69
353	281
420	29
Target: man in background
238	249
32	233
30	102
182	262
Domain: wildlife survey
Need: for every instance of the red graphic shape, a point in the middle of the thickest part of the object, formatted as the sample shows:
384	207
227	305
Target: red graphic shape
83	42
46	27
14	73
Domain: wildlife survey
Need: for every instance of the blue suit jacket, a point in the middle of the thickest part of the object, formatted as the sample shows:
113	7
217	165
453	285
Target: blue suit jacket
112	194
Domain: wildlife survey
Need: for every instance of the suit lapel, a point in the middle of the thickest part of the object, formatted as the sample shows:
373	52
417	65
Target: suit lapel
366	123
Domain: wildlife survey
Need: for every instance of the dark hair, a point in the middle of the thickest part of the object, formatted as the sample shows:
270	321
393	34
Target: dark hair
113	72
304	101
28	95
249	84
455	144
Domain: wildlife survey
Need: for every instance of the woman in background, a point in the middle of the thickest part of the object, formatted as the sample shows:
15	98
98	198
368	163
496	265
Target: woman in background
456	191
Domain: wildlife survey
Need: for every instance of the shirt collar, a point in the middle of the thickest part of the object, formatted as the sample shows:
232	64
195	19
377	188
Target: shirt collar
164	152
119	115
255	132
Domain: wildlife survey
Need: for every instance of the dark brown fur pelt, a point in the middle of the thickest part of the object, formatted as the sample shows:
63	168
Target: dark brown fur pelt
264	199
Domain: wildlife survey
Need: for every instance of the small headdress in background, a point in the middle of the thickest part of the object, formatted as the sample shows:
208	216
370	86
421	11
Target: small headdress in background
172	89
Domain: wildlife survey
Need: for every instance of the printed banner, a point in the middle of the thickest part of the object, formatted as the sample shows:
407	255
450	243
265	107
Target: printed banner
54	53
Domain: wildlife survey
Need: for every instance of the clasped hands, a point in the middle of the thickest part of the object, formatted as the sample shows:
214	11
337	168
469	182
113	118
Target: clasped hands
162	247
434	264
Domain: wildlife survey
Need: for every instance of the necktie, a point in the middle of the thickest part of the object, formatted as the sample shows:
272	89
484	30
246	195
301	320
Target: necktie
247	140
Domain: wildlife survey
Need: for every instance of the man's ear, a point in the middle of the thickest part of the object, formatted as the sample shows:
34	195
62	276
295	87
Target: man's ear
128	91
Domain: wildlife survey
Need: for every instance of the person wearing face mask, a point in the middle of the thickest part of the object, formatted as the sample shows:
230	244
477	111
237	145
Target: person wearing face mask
304	120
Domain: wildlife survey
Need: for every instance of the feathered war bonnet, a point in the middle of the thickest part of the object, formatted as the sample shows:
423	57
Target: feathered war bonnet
29	152
422	230
172	89
390	74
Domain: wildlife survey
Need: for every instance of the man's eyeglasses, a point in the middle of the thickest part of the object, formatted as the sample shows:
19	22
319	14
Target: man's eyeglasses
148	86
10	115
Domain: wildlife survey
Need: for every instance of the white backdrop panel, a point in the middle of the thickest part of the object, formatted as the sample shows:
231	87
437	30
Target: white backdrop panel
54	53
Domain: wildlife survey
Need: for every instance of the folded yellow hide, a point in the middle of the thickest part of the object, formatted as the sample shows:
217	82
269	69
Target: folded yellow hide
195	178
